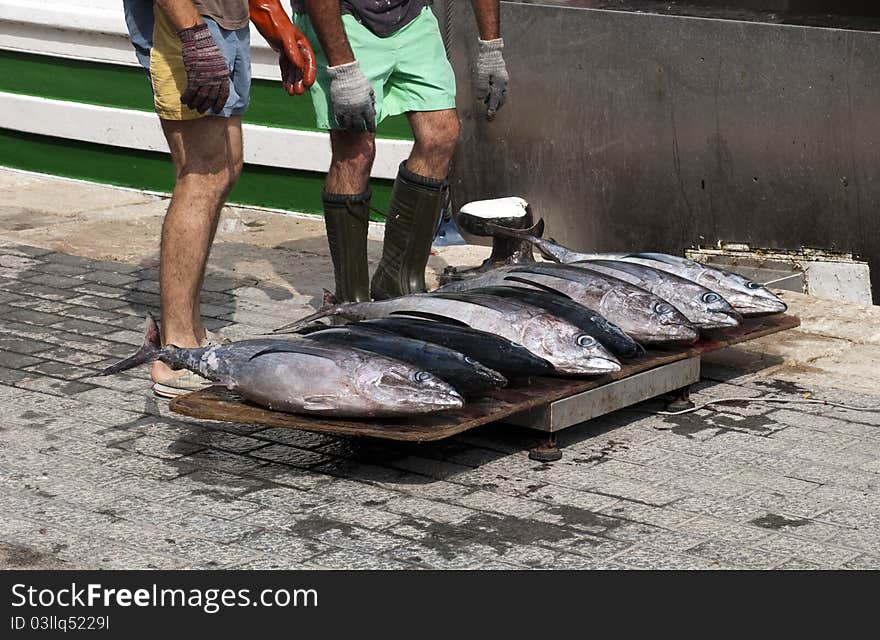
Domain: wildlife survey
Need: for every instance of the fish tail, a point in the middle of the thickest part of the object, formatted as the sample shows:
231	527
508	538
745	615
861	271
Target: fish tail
328	309
549	249
532	234
149	351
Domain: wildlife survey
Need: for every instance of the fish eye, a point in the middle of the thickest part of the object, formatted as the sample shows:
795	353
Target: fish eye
470	360
753	285
422	376
711	297
585	340
663	308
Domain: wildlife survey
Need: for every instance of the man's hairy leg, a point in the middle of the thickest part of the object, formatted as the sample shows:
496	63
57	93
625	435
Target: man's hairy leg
200	150
235	162
353	155
436	134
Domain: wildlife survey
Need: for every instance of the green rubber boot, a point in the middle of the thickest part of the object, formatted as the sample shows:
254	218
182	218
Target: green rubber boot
413	212
346	218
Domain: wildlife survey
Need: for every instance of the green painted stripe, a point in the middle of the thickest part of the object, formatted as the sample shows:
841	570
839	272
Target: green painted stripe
259	186
123	87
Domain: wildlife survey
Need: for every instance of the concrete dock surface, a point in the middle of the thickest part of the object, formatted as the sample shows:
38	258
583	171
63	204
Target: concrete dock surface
98	473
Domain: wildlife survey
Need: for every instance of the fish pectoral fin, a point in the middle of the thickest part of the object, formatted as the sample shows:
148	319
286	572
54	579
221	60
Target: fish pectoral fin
319	403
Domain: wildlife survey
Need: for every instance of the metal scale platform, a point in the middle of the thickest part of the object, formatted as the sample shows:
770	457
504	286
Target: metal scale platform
546	404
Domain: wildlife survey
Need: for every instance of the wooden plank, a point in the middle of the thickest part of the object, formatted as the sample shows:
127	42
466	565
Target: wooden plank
217	403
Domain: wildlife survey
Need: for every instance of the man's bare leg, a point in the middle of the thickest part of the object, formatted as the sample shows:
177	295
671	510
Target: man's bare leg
436	134
201	153
235	163
353	155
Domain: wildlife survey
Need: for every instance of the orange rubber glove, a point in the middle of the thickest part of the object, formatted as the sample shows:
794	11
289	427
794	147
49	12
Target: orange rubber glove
296	59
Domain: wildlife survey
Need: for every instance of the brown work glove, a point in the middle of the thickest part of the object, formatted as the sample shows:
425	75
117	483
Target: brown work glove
207	74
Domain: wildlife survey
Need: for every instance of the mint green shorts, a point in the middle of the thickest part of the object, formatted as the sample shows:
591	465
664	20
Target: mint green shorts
408	70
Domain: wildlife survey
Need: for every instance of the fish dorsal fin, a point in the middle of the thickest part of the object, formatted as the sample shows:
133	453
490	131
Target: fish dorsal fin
659	257
425	315
492	303
293	347
538	286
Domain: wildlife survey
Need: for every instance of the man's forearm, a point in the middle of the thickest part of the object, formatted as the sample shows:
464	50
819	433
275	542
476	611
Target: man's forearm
488	18
270	19
182	14
327	20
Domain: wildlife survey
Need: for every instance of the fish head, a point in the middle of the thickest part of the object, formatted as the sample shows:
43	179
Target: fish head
756	300
569	349
489	375
405	387
648	318
748	298
713	311
518	357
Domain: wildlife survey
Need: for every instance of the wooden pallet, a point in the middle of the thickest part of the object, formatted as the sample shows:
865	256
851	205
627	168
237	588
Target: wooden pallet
216	403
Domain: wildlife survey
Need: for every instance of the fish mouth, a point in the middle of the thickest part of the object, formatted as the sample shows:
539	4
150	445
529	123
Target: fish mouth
448	400
594	366
720	321
762	308
496	378
604	365
686	333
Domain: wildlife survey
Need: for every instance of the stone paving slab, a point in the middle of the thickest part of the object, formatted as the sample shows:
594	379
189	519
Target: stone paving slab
97	473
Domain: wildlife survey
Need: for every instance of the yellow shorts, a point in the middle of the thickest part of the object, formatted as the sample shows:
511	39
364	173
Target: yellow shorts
159	51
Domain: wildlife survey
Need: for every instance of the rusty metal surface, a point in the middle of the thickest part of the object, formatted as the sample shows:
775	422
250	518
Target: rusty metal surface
218	404
632	131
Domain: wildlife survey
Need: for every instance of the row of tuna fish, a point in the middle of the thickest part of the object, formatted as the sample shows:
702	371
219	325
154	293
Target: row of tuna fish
576	316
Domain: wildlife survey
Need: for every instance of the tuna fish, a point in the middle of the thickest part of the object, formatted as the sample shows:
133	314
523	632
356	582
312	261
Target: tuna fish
643	316
747	297
299	376
465	374
567	348
609	334
704	308
500	354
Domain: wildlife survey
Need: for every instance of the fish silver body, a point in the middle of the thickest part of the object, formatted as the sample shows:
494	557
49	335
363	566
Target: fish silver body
706	309
300	377
567	348
642	315
746	297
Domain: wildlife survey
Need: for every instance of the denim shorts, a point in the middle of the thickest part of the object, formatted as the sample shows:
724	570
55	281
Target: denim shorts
158	50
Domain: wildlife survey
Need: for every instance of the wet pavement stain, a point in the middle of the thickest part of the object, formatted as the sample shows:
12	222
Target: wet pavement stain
782	386
688	425
313	526
777	522
584	519
755	424
503	533
610	448
17	557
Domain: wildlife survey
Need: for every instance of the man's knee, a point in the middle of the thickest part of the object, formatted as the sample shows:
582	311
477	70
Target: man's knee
353	151
439	141
211	185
